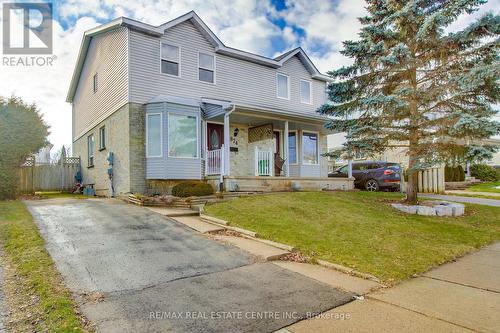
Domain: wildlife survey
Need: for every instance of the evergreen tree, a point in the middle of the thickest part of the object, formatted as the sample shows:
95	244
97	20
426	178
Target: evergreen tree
413	85
22	133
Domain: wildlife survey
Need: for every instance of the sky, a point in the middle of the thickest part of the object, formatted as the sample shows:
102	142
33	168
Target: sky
266	27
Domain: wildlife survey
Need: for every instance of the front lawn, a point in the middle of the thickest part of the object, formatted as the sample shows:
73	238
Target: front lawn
485	187
37	297
361	230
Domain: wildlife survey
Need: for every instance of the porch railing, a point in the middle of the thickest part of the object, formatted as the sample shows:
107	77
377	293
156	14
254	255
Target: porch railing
214	165
264	162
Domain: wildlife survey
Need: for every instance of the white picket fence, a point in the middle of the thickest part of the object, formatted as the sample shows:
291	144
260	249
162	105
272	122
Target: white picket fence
214	164
264	162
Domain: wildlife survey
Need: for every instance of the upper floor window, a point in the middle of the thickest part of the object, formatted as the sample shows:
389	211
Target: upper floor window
170	59
206	67
305	92
94	83
283	86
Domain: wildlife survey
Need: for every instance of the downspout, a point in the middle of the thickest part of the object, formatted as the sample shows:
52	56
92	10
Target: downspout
226	146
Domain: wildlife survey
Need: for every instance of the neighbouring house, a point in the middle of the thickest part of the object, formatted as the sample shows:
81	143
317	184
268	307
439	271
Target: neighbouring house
174	103
397	155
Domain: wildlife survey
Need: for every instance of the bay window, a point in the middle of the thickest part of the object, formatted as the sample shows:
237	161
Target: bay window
154	135
182	136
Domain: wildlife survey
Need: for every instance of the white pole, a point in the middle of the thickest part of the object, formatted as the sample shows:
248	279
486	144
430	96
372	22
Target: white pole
286	151
227	168
349	168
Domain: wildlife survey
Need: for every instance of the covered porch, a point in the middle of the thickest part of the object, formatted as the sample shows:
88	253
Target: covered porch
249	149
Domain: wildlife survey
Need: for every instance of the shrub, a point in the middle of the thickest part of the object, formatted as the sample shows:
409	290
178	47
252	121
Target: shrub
484	172
454	173
192	188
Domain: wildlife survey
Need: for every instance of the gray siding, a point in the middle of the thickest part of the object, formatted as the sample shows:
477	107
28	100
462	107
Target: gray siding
212	110
170	167
108	57
237	80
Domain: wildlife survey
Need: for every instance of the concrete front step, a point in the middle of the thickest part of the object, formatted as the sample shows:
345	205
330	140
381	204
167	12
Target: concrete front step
197	224
256	248
251	188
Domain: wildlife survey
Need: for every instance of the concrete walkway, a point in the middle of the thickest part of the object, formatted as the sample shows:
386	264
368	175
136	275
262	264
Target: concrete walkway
463	296
479	201
472	193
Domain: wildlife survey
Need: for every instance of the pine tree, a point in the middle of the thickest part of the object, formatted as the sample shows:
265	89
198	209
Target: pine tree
416	86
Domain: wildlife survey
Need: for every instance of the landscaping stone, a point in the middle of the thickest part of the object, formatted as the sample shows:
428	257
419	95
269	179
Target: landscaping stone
426	210
458	209
442	210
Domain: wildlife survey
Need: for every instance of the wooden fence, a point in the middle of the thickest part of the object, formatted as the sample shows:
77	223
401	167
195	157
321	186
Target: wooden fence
47	176
431	180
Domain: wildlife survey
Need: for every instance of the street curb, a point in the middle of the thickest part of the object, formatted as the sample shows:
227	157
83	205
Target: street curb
254	236
348	270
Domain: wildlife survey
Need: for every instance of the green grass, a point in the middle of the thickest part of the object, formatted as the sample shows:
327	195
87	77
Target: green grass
55	195
36	276
361	230
485	187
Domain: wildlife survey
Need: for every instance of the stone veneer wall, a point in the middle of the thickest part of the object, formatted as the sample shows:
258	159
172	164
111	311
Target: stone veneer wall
125	138
243	161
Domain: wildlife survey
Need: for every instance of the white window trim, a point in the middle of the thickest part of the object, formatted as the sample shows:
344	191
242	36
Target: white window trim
95	83
88	150
161	134
101	145
310	91
296	147
317	147
197	136
208	69
288	86
180	57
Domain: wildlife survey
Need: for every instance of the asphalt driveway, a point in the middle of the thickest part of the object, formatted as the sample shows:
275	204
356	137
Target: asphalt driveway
156	275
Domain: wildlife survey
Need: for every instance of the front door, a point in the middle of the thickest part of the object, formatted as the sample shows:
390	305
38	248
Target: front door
215	136
277	142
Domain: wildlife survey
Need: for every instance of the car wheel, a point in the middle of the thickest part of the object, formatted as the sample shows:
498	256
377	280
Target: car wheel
371	185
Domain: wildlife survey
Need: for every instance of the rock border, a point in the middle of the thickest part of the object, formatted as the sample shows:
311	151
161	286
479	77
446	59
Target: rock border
439	208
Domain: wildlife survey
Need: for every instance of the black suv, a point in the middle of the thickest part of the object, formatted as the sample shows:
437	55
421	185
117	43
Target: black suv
372	175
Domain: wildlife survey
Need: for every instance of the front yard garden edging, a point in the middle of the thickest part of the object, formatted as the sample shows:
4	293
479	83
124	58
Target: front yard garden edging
253	235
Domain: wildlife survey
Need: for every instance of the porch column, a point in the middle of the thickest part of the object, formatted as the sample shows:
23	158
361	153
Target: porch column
286	151
227	163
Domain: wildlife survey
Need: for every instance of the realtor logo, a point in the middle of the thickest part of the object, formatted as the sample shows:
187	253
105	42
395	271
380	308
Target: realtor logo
27	28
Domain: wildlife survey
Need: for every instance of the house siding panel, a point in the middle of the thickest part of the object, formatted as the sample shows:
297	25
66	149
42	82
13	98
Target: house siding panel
237	80
108	57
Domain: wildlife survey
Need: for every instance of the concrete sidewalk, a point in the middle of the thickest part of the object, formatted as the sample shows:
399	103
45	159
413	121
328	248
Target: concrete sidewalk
456	198
472	193
462	296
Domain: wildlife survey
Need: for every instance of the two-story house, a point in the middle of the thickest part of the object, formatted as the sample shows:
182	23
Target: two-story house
173	102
